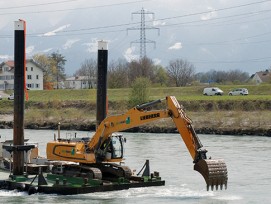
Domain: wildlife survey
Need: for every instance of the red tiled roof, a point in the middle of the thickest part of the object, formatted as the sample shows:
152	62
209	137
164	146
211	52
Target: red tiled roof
10	63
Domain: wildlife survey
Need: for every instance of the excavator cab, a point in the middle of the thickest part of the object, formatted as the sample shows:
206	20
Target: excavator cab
112	148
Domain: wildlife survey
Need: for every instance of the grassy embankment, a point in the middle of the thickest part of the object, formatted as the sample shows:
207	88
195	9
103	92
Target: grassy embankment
220	112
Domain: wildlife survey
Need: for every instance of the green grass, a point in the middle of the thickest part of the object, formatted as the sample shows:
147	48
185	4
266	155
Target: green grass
256	92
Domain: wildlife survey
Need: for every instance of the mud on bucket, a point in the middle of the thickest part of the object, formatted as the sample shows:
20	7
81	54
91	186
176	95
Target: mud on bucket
214	172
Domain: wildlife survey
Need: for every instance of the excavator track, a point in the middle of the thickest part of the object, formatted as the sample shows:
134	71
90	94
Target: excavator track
77	170
214	172
113	171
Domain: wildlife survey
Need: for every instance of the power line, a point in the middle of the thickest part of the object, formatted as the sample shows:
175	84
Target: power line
233	61
126	24
74	9
167	25
34	5
214	10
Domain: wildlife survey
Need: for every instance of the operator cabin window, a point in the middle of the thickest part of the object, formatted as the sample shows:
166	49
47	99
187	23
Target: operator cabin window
29	77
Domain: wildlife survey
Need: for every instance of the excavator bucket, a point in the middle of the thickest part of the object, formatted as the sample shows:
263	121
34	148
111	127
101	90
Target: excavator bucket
214	172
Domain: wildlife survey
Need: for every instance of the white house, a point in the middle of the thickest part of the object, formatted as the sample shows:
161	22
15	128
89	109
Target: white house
80	82
34	75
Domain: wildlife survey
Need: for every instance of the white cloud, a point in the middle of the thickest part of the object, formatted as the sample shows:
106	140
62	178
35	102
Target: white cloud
207	52
69	43
29	49
156	61
158	23
5	57
92	46
176	46
47	50
209	15
51	33
129	56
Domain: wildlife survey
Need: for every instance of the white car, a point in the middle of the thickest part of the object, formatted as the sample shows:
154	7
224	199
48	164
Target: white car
11	97
212	91
238	91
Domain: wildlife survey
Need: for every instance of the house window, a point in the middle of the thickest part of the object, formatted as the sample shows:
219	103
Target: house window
29	85
29	77
37	76
37	86
32	69
26	68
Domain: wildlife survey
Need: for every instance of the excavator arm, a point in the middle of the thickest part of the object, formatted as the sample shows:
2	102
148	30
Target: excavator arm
214	171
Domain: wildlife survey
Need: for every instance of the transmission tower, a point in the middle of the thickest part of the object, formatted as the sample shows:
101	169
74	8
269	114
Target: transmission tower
143	40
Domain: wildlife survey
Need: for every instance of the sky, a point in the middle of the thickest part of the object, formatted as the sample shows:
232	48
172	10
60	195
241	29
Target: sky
218	35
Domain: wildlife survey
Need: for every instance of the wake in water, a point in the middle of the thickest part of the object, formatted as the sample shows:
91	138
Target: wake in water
6	193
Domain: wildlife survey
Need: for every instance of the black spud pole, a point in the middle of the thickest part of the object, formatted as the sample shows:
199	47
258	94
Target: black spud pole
101	104
19	83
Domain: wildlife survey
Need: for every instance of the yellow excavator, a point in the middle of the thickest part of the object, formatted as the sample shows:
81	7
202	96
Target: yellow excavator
105	148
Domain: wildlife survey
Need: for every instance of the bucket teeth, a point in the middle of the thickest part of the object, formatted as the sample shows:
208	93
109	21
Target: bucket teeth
214	172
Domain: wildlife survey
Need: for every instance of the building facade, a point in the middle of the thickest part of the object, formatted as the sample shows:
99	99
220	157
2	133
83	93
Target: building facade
34	75
80	82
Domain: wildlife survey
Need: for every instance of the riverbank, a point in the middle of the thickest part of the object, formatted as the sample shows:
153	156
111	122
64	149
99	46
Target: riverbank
214	122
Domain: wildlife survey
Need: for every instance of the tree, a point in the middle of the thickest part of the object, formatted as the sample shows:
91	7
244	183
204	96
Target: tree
213	76
139	92
181	72
88	69
118	74
142	68
161	76
48	74
58	66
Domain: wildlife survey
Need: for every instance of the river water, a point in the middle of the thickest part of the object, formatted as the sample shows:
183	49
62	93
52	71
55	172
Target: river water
247	157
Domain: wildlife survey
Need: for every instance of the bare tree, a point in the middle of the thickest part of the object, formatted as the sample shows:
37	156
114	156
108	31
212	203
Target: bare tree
180	71
213	76
88	69
142	68
118	74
